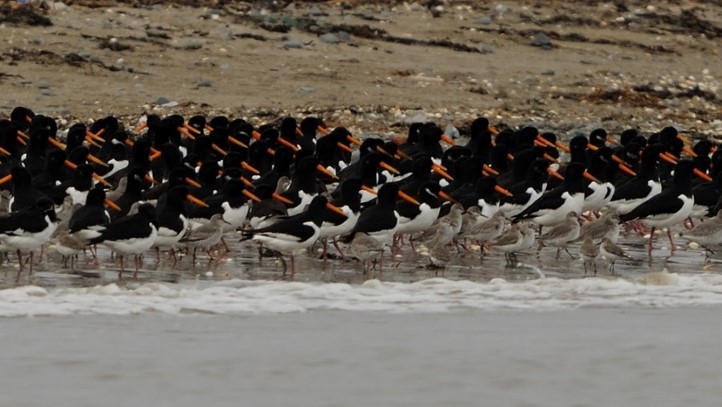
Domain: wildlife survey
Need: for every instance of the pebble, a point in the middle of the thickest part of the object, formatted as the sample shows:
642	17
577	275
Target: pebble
316	12
486	49
161	100
306	90
191	44
205	84
42	85
291	43
343	36
548	72
329	38
485	20
542	40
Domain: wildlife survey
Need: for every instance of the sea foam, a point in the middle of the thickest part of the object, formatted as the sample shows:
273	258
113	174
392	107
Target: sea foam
246	297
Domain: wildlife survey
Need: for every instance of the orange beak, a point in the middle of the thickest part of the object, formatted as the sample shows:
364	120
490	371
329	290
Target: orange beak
684	138
503	191
323	130
247	183
281	198
592	147
271	151
6	179
446	139
437	169
353	140
196	201
21	141
92	142
149	179
70	164
5	152
192	182
543	142
97	160
381	150
288	144
389	168
250	195
28	119
98	135
563	146
155	155
299	133
591	177
408	198
343	147
336	209
185	132
489	170
689	152
101	180
191	128
249	167
140	127
220	151
492	130
208	127
444	195
619	160
369	190
22	134
702	175
403	155
611	140
551	171
256	135
668	158
627	170
510	157
550	158
128	142
112	205
237	142
56	143
320	168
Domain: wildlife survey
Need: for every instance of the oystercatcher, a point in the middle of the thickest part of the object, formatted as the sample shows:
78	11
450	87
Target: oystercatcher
553	206
669	207
28	229
295	232
131	234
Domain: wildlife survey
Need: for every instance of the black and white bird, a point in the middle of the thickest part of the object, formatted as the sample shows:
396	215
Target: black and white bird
668	208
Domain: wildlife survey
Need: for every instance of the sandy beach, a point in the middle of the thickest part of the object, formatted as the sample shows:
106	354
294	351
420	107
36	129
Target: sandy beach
371	66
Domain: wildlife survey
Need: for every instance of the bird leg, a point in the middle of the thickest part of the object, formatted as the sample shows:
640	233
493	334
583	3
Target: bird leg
225	245
671	242
30	259
122	268
335	244
136	259
569	253
649	244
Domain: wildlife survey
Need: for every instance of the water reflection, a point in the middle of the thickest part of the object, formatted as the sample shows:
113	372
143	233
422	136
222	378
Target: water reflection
242	262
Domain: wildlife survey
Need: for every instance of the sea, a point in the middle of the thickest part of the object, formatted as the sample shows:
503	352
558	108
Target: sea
239	331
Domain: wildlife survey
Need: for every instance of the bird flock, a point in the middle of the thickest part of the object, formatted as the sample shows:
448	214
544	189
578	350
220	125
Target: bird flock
178	185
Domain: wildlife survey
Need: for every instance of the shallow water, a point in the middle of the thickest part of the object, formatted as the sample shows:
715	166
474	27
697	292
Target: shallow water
236	331
583	357
240	283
